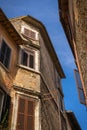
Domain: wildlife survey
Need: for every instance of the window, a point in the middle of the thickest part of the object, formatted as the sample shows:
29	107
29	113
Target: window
4	105
25	119
28	33
79	87
5	53
27	58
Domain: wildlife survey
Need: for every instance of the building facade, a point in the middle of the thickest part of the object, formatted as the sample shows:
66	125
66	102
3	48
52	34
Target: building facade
31	96
71	121
74	21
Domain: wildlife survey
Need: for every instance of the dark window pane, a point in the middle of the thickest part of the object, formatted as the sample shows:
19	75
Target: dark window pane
31	61
2	51
5	53
8	52
24	58
1	57
7	57
3	47
6	62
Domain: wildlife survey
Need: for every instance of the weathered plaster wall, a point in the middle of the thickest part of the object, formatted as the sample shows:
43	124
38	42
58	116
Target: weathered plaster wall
80	12
48	70
50	119
27	79
50	82
8	74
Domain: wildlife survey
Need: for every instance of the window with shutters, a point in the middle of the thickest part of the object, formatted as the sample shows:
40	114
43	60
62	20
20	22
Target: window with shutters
28	33
25	119
5	53
27	58
79	87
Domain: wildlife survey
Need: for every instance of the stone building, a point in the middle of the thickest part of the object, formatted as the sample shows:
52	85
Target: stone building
71	121
31	96
73	16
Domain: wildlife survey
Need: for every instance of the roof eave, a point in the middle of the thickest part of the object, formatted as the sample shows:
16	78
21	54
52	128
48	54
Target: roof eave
65	23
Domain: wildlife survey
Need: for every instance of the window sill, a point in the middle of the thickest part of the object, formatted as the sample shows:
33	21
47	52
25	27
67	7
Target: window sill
29	69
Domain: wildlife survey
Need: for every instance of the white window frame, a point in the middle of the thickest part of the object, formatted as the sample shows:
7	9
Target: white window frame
30	29
36	57
15	110
28	59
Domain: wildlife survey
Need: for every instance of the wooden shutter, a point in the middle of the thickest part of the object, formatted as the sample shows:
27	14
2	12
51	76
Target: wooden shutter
21	112
25	120
29	33
32	34
79	87
30	116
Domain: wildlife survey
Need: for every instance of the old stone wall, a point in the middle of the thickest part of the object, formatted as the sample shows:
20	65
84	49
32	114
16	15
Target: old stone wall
27	79
50	119
50	84
80	12
48	71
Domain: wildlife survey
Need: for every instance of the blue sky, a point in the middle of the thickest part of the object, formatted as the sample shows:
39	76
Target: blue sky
46	11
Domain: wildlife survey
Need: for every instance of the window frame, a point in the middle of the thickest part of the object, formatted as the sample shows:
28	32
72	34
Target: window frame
19	93
9	60
32	31
2	102
26	114
28	52
79	86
